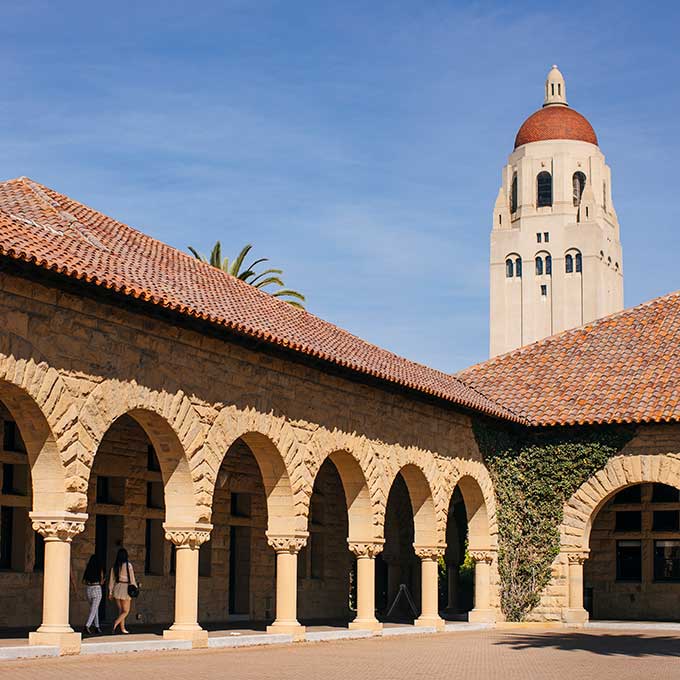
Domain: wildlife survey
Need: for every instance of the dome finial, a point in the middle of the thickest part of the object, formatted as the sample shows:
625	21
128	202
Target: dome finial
555	88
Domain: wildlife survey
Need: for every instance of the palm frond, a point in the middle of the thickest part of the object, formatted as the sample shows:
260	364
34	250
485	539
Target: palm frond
268	282
265	273
196	254
289	293
238	262
216	255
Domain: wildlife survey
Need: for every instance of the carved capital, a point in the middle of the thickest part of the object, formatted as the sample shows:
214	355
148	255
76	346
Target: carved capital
483	556
188	536
430	552
291	543
366	548
577	557
58	527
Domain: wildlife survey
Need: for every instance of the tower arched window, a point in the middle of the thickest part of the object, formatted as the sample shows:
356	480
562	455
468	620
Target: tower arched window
548	265
544	189
509	268
604	196
579	184
539	265
569	264
518	267
513	194
579	262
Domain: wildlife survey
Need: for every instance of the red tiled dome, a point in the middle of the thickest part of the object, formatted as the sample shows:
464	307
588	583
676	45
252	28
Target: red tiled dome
555	122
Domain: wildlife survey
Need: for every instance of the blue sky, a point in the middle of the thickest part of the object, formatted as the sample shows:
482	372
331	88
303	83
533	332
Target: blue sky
357	144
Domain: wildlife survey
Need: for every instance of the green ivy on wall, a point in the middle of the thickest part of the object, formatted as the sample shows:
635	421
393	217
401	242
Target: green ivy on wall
534	473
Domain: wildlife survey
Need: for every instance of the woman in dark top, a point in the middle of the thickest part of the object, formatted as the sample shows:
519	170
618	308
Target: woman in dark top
93	579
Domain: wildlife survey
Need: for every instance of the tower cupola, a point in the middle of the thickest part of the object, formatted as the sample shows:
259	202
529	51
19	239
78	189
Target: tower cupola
555	88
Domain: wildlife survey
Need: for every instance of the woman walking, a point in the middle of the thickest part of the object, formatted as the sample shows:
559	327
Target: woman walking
93	578
121	578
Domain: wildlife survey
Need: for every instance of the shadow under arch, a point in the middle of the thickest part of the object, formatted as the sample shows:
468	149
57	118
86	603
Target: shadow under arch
48	475
359	506
478	531
422	505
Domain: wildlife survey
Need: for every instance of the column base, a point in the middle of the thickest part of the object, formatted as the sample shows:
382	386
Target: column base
435	622
197	636
576	617
482	616
67	641
366	624
288	628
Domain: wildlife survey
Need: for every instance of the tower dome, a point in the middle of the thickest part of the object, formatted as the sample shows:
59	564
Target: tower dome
556	120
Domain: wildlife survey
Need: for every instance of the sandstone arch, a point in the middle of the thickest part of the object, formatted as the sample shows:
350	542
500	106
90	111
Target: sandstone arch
425	525
622	471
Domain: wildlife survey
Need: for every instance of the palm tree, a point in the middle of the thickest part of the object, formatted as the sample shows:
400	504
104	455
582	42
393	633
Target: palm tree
269	277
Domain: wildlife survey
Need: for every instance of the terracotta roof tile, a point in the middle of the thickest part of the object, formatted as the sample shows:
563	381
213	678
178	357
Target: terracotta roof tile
622	368
50	230
555	122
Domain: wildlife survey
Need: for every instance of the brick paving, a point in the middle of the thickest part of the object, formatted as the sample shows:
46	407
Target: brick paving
509	655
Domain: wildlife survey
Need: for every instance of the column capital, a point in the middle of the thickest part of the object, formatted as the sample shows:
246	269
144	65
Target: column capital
58	526
287	543
366	548
430	552
192	536
578	557
483	556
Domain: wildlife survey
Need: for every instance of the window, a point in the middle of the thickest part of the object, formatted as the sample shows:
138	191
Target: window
544	189
152	463
544	291
665	520
205	559
662	493
6	531
518	267
513	194
539	237
548	265
604	196
579	183
631	494
154	495
154	544
569	264
240	504
628	520
628	560
110	490
667	560
11	438
539	265
509	268
546	237
15	479
579	263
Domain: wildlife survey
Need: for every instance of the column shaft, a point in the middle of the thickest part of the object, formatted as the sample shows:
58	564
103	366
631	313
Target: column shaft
575	613
483	612
56	587
429	615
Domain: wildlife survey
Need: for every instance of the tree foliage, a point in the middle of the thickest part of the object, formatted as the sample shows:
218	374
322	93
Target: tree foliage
249	274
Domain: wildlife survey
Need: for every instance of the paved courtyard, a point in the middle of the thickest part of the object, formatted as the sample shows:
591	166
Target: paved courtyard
509	655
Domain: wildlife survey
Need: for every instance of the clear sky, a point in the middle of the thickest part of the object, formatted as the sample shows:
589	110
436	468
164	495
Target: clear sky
357	144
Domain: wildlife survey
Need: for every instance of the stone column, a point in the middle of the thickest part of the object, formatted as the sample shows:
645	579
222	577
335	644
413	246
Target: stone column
482	613
58	530
429	584
187	541
575	613
287	548
365	552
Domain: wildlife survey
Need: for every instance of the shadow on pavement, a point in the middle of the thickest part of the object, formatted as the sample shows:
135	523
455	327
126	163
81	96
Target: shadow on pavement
626	644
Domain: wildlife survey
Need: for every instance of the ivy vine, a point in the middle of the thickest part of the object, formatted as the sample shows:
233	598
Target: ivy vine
534	473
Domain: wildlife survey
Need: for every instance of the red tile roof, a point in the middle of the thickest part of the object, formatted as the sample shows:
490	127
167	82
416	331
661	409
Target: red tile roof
50	230
555	122
622	368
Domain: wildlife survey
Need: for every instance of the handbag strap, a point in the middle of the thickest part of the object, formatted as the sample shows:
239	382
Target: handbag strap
127	564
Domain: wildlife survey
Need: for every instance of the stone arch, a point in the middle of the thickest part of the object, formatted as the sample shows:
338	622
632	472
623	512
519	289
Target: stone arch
274	446
425	524
48	474
621	471
361	518
476	487
174	429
